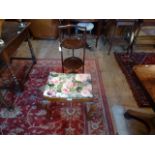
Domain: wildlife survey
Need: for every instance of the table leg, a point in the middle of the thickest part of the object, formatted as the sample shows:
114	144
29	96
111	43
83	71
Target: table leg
2	101
5	103
18	85
31	50
147	119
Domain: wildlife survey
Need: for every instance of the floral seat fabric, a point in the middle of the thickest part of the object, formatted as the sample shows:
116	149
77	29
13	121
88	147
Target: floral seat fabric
68	86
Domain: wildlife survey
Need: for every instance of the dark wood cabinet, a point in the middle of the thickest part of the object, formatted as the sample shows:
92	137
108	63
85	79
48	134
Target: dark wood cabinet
44	28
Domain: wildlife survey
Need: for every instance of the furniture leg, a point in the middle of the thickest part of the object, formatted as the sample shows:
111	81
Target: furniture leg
147	119
109	50
96	41
18	85
31	50
84	52
4	102
91	111
62	59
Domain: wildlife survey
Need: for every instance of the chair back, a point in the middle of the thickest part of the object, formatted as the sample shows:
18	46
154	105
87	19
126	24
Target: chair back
123	28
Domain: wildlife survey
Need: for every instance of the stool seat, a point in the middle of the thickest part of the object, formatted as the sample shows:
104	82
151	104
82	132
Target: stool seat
89	26
67	87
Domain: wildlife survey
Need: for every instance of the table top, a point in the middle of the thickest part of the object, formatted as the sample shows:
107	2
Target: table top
61	86
10	32
146	75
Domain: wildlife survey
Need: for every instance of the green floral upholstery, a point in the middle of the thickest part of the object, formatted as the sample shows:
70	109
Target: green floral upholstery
69	86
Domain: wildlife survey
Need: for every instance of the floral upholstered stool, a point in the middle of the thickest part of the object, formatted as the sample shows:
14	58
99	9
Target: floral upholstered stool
69	88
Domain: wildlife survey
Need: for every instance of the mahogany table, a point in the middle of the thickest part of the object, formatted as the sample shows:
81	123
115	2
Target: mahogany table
146	76
13	35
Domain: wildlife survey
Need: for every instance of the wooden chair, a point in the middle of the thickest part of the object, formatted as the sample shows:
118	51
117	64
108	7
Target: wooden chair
121	33
90	25
72	41
146	35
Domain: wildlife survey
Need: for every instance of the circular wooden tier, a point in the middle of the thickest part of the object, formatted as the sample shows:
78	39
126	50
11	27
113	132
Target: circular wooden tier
73	63
73	43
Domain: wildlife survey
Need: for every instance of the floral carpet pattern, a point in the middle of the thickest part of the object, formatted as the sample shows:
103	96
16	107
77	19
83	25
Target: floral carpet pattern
126	64
34	115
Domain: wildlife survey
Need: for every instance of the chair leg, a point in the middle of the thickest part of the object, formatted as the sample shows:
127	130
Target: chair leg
84	52
76	31
62	61
109	50
130	50
83	69
96	42
63	69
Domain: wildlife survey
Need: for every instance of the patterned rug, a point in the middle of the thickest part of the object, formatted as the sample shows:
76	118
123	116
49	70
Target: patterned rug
126	64
33	115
